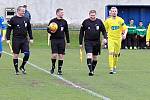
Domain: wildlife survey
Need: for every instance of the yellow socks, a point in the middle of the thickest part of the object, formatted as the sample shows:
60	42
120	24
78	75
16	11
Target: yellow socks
111	62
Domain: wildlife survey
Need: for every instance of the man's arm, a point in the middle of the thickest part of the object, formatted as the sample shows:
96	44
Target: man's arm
9	29
29	16
124	31
29	30
103	30
4	34
106	25
81	34
3	30
67	33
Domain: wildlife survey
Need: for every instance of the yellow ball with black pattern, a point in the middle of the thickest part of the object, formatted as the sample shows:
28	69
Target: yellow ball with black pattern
53	27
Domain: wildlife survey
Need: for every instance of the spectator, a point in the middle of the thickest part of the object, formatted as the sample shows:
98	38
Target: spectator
131	35
27	13
141	35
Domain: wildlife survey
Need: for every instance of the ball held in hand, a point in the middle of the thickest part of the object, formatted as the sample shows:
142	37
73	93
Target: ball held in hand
53	26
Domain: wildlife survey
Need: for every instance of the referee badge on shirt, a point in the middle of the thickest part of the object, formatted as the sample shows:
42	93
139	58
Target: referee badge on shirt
97	27
62	28
18	26
25	24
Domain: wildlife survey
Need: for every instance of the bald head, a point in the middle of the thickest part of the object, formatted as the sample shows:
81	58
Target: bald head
114	11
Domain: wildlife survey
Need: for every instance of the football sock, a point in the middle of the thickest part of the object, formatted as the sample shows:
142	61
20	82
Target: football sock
115	61
111	62
94	64
15	61
25	59
60	63
53	63
89	63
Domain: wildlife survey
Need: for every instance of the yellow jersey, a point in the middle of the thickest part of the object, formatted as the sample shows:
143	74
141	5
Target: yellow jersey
148	33
115	27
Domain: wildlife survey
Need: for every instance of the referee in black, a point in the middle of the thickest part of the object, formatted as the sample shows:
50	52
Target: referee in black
90	30
20	26
57	38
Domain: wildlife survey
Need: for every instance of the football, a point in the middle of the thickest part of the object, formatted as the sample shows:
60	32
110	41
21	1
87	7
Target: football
53	26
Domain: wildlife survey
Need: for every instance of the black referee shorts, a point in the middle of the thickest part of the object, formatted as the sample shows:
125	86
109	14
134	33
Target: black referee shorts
58	46
93	47
20	44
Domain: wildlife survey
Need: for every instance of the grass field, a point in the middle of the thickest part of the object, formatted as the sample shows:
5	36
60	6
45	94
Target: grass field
130	83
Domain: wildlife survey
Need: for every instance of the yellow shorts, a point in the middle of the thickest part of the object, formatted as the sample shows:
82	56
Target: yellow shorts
114	45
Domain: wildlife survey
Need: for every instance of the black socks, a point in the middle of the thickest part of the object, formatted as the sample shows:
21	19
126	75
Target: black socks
15	61
89	63
60	63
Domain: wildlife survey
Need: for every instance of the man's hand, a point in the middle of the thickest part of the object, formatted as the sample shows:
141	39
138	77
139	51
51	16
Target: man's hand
53	31
8	41
81	46
104	41
3	38
67	45
142	36
123	36
31	41
147	43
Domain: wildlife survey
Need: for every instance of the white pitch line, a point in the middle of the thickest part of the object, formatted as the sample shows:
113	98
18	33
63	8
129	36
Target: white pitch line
66	81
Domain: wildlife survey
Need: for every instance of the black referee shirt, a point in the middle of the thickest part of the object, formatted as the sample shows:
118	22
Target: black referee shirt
62	30
91	30
20	26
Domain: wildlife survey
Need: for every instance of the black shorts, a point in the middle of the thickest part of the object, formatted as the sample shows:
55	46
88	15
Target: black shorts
20	44
58	46
93	47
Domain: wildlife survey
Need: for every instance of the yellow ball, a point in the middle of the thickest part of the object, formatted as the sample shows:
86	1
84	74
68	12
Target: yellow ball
53	26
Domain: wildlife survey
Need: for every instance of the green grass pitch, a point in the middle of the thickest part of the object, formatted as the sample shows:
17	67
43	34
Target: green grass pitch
132	81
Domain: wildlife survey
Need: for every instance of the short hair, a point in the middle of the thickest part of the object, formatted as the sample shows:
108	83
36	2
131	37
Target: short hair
25	6
131	19
19	8
113	8
59	9
92	11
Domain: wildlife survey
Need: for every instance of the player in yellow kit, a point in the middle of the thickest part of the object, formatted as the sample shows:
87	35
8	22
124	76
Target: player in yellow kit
148	36
117	31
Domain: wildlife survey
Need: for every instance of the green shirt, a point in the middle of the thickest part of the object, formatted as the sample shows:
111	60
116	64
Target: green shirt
141	30
131	29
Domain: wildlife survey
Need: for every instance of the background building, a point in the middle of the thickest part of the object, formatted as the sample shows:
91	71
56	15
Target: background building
77	10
